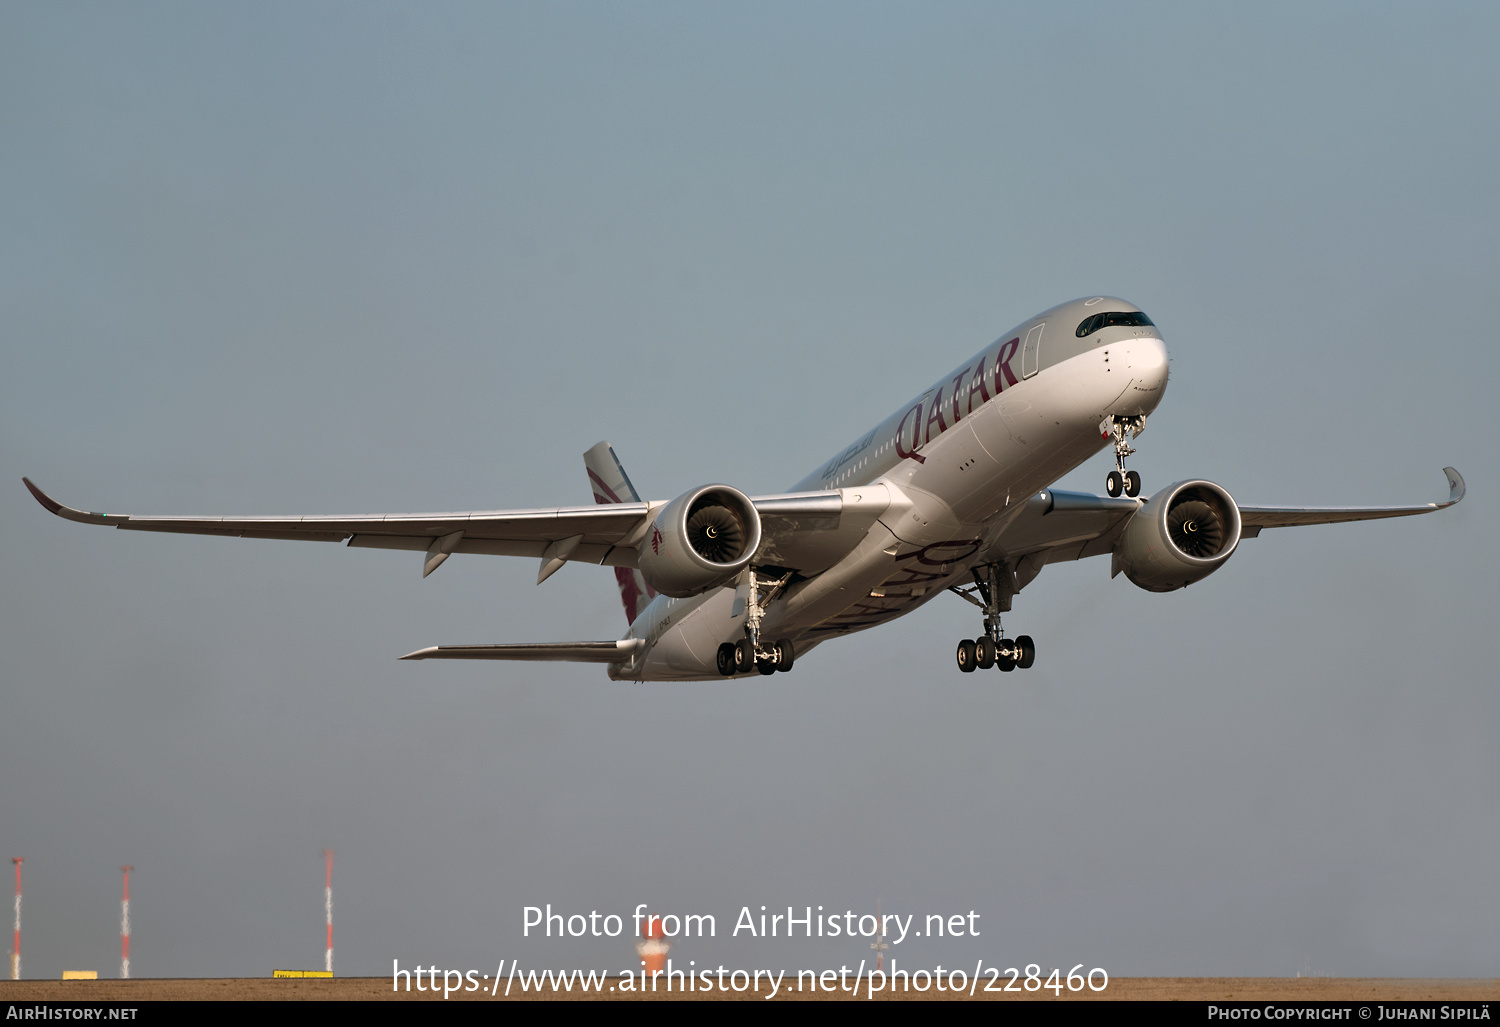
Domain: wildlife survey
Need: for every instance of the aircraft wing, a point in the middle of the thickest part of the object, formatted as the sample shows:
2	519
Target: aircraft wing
1254	518
1058	526
601	534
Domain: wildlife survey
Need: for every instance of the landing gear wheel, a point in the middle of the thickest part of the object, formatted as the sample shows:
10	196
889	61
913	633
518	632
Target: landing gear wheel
744	657
1005	659
965	656
1132	484
726	659
784	654
1028	648
765	667
984	652
1114	484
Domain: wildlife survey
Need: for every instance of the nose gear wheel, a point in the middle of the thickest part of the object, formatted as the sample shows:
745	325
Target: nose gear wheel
1117	426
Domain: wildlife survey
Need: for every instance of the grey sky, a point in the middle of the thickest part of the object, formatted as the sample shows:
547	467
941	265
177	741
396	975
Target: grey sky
331	258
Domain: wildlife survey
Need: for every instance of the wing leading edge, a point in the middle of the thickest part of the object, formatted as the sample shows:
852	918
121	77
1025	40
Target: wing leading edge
1059	526
1254	518
600	534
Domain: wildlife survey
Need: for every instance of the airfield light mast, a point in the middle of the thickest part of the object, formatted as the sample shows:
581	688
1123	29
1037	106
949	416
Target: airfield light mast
15	950
328	906
125	926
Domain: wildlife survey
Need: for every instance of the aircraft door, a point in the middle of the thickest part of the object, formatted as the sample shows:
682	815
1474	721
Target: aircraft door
1030	353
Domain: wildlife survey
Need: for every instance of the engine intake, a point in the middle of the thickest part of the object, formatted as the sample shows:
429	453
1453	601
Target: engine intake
699	541
1180	535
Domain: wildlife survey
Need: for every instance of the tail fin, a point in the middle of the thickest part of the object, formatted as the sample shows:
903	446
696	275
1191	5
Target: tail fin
612	485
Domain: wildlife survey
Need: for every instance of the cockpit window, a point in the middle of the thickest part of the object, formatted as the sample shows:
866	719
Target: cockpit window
1112	318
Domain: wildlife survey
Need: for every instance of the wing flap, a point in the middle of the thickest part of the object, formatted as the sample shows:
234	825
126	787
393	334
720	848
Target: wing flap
1063	525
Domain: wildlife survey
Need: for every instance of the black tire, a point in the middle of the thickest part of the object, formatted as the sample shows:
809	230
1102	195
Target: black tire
984	652
1028	651
965	656
765	667
744	657
1003	660
1114	484
1132	484
726	659
784	654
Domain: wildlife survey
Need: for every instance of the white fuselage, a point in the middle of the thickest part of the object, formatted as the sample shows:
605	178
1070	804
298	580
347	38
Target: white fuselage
949	472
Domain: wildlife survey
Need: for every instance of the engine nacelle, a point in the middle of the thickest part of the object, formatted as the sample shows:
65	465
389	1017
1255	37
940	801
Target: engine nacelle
699	541
1180	535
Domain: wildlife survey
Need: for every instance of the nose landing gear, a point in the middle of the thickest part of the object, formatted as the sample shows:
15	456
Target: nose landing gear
995	585
1117	426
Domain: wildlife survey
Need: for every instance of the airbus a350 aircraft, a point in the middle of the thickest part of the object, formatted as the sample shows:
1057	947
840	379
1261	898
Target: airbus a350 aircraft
949	493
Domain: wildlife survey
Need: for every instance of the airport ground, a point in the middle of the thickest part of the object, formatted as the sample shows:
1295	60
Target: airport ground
1186	989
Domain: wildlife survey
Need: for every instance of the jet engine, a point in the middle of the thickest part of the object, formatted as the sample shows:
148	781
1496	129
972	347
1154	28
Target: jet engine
1180	535
699	541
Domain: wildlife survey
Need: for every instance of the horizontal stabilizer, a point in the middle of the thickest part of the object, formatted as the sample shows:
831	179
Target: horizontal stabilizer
575	652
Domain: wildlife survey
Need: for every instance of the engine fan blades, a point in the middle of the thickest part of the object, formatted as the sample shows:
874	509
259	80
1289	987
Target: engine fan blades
1196	528
715	533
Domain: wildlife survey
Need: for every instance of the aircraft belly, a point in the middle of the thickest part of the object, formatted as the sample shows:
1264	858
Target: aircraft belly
679	633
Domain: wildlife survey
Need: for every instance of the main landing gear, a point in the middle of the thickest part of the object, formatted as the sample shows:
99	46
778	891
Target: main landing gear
1117	426
995	585
739	658
985	652
751	652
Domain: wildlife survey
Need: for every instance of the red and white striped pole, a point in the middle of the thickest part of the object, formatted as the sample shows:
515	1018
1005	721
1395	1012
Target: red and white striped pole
15	949
125	926
328	906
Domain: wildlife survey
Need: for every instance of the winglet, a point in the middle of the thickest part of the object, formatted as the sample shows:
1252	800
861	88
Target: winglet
83	516
1455	485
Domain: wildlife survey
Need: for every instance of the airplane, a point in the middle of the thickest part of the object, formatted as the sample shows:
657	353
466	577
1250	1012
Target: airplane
951	493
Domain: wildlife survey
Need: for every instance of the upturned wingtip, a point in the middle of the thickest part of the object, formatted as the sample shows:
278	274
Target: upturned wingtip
63	510
51	505
1456	486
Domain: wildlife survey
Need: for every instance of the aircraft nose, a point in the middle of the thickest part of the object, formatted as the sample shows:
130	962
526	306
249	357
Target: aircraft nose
1152	361
1149	370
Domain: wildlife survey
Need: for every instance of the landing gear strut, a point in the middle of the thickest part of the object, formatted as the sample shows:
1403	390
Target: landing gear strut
751	652
1117	426
995	586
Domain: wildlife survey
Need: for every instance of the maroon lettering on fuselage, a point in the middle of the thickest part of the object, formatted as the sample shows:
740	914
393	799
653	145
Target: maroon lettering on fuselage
1002	363
935	413
977	383
902	450
922	432
957	381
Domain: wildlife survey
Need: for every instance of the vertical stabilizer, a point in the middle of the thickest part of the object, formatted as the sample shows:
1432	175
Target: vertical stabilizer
611	484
